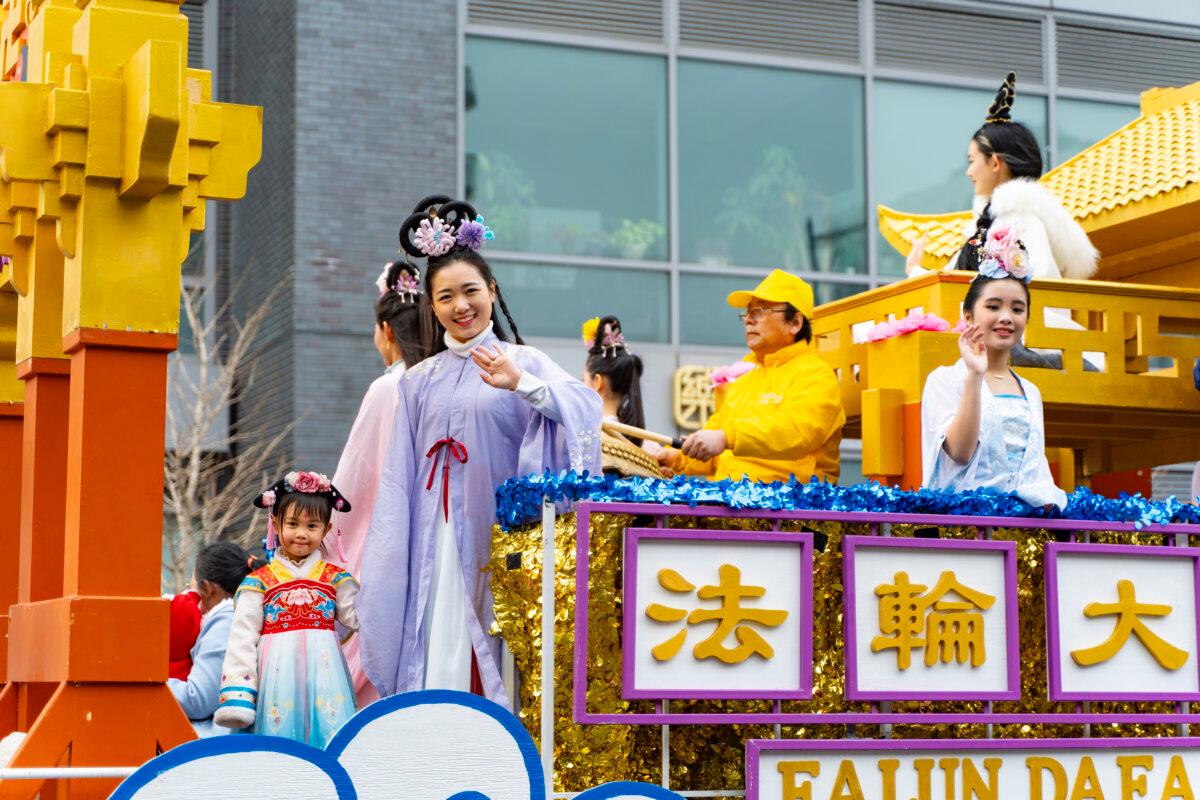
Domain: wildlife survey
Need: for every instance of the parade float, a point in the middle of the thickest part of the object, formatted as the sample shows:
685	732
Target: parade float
791	640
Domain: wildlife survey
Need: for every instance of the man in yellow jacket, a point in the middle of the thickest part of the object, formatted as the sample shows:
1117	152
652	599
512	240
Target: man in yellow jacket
785	416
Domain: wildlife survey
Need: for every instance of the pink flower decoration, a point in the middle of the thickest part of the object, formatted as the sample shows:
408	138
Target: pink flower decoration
300	597
434	237
407	284
730	373
268	498
381	281
960	326
308	482
913	322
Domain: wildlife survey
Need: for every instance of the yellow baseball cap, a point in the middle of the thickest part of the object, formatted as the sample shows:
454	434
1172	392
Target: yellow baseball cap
778	287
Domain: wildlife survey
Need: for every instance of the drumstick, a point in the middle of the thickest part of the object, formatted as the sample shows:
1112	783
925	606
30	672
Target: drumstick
641	433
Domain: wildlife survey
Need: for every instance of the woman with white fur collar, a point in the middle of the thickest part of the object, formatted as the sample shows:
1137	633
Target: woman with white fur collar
1004	163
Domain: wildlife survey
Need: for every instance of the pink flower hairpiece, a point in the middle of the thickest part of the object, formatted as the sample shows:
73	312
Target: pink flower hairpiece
407	285
613	340
434	237
307	482
1003	255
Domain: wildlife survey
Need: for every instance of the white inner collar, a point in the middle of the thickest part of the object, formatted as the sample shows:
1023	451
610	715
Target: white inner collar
463	349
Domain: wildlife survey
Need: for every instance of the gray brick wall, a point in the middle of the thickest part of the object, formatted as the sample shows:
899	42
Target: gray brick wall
259	55
375	131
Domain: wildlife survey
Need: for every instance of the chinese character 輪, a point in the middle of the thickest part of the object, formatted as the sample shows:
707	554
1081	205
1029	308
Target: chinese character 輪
948	630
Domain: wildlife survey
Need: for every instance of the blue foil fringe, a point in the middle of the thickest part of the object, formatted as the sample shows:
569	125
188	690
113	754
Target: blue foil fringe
519	500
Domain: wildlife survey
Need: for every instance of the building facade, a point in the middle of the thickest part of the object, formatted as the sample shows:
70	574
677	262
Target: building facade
635	157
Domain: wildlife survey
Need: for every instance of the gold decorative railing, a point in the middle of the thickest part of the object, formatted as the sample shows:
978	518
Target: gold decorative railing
1124	396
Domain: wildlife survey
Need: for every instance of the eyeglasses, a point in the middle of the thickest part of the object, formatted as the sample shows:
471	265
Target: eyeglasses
756	315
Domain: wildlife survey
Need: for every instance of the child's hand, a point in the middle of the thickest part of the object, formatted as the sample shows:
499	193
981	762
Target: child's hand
234	717
496	368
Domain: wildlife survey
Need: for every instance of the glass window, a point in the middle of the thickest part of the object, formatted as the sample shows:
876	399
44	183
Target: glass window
567	148
1082	123
552	300
706	317
771	168
921	135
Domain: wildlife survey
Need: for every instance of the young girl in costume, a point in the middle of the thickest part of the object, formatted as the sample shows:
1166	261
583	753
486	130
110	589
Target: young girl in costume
401	337
220	569
981	423
480	411
284	672
1004	163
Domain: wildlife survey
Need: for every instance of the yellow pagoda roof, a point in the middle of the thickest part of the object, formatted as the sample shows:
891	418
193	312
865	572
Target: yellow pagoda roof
1156	157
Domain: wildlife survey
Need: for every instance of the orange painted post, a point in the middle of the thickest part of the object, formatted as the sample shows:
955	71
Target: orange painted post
111	149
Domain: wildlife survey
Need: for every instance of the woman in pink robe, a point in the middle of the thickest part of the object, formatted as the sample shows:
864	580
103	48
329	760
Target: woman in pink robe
401	342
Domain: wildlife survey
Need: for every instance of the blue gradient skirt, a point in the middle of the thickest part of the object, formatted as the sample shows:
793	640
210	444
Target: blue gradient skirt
304	686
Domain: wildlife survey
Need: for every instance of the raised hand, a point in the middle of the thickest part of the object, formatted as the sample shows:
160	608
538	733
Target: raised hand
970	347
914	256
496	368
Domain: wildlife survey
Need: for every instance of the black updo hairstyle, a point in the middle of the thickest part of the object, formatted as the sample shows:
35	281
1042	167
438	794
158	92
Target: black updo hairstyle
411	328
624	373
453	213
1012	143
977	286
226	565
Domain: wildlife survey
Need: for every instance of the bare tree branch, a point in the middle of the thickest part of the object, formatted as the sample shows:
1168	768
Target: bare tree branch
207	484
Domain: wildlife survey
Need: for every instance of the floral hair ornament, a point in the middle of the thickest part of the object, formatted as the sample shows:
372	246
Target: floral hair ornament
1003	255
588	331
407	285
302	483
473	233
613	340
434	237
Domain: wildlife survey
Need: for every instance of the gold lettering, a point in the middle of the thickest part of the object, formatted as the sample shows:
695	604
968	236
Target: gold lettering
1131	783
888	767
846	785
1087	783
924	768
1178	784
973	785
949	767
789	769
1035	765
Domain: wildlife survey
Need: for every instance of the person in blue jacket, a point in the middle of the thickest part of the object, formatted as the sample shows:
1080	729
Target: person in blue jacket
220	569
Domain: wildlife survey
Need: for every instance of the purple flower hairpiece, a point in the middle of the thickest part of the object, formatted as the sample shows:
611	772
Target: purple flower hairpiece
473	233
434	237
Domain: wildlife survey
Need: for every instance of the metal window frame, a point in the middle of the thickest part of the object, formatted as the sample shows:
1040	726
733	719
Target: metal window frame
671	50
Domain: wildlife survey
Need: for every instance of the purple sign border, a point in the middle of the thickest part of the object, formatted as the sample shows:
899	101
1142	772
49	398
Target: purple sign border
1053	634
875	716
756	747
850	545
803	691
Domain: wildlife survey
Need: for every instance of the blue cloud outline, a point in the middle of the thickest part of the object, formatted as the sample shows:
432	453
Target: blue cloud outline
225	745
607	791
525	743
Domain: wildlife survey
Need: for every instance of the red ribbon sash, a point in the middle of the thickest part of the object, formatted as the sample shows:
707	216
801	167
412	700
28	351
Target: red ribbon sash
454	449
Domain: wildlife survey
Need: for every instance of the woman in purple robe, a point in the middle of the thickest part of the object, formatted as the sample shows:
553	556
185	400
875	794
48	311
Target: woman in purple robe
479	411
